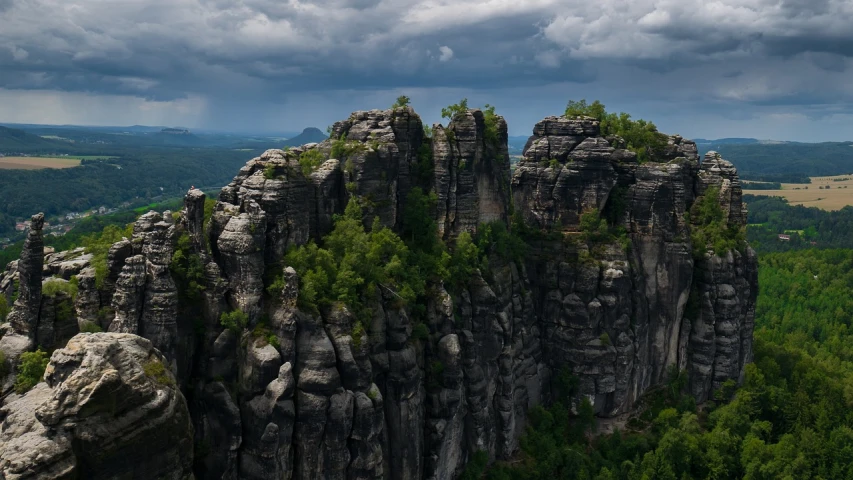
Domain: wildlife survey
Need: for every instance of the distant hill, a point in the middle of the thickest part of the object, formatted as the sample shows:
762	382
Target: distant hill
13	140
769	159
309	135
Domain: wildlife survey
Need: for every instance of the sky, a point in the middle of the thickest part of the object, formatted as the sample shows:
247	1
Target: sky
769	69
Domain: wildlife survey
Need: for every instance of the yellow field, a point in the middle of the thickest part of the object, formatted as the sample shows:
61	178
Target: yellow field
37	163
838	196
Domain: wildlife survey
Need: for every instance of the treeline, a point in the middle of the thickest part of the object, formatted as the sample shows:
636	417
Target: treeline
772	177
771	216
761	185
143	174
791	419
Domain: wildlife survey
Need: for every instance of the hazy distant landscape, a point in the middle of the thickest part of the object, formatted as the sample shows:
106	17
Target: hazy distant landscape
87	168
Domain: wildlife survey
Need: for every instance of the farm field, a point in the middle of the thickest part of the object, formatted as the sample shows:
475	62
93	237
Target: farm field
37	163
816	194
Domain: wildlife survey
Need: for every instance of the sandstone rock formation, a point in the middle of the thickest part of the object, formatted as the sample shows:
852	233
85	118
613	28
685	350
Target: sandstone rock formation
323	394
108	409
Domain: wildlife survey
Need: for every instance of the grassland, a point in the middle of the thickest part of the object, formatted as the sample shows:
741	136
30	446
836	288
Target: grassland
816	194
37	163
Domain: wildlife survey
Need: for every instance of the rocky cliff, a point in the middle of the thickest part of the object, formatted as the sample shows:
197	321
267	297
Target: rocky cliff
623	282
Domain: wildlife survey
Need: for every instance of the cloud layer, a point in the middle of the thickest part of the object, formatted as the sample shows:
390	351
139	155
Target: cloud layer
260	60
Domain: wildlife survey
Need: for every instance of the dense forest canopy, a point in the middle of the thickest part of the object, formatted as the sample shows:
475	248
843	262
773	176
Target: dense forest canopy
771	216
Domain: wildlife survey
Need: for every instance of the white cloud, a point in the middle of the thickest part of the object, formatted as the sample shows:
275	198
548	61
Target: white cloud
446	53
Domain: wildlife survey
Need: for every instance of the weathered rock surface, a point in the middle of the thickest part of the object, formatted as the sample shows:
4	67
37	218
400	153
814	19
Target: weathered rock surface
25	312
103	412
471	173
323	394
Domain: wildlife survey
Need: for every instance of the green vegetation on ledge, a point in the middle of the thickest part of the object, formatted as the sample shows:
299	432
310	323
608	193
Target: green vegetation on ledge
641	136
30	370
710	229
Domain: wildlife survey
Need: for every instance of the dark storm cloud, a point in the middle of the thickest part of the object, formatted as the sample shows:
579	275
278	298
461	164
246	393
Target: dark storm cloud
752	53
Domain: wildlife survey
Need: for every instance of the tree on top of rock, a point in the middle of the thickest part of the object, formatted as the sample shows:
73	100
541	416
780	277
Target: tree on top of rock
452	110
402	101
641	136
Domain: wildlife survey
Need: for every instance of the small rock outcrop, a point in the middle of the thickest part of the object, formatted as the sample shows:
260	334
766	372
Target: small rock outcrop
108	408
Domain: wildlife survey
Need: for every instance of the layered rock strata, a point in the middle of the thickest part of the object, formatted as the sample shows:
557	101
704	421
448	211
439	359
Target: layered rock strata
108	408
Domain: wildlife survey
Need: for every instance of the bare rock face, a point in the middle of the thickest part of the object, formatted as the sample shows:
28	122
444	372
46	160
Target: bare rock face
720	341
471	173
378	150
25	312
567	169
105	411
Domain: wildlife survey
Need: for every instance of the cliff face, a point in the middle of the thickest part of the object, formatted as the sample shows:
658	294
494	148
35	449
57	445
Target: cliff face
620	302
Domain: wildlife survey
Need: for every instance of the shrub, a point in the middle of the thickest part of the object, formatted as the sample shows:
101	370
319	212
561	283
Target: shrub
342	148
309	160
465	260
98	244
420	332
4	369
90	327
187	269
476	466
641	137
605	339
269	171
30	370
709	228
593	226
235	320
491	121
4	308
357	333
52	287
554	163
156	371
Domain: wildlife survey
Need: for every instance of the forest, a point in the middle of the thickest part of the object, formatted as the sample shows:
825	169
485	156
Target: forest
771	216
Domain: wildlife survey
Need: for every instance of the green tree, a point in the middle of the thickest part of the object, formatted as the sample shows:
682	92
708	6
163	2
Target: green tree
402	101
451	111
